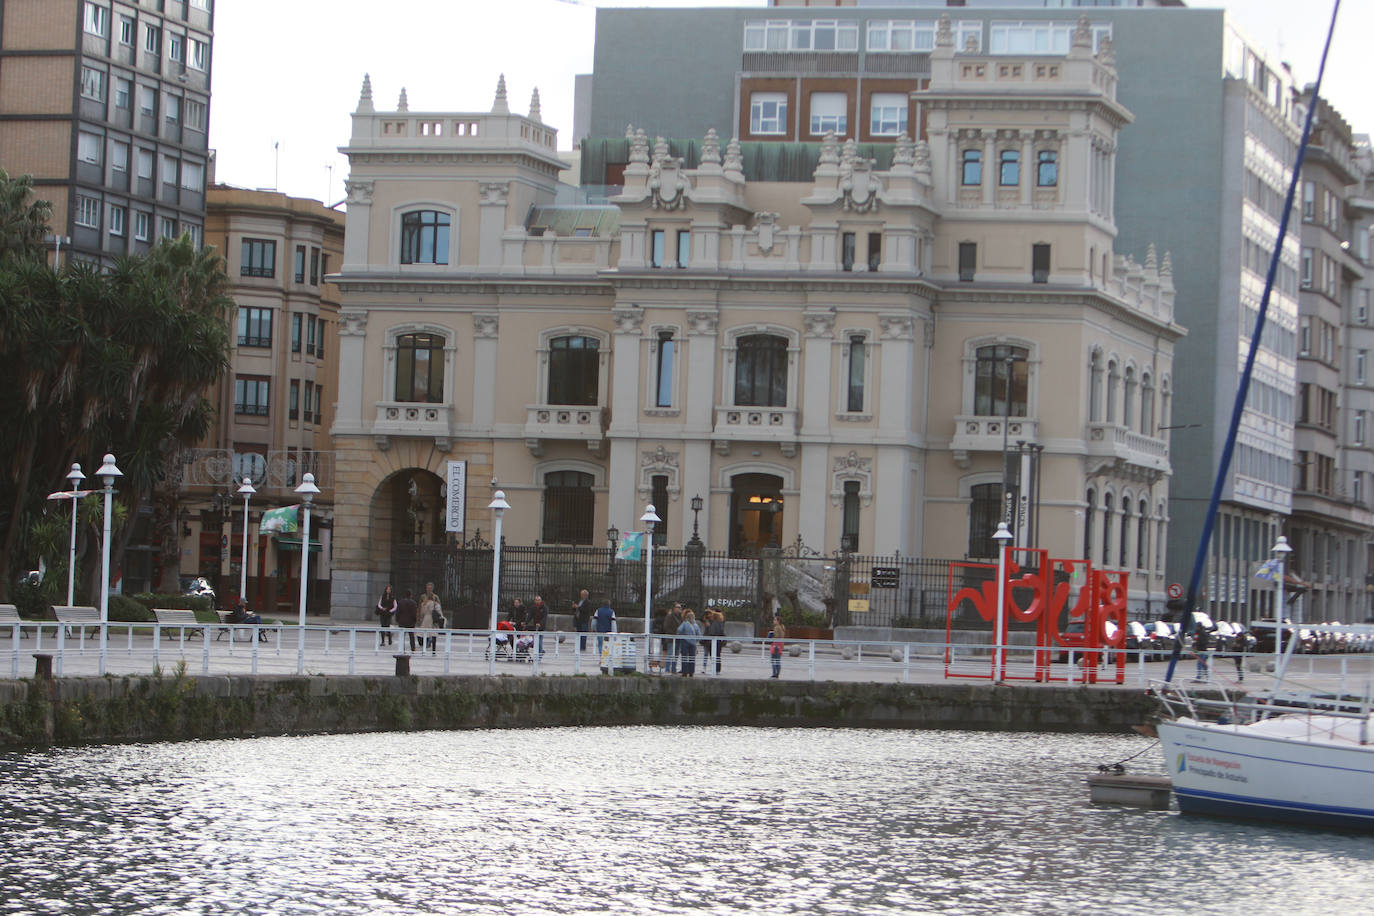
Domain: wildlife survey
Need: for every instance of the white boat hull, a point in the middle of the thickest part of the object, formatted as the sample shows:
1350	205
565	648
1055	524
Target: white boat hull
1293	771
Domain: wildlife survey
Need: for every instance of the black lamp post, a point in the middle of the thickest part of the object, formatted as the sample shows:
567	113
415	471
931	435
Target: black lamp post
612	535
696	511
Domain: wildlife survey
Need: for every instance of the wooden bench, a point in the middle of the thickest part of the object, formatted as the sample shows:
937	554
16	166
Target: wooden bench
226	625
178	617
74	616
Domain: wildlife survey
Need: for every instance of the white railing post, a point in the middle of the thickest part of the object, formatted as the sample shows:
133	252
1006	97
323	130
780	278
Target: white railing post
157	643
205	651
811	658
352	647
906	663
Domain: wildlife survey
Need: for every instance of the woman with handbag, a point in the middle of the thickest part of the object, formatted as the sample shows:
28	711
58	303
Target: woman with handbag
386	613
431	618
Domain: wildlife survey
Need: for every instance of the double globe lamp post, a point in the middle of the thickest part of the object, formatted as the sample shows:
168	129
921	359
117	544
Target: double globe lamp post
498	507
307	492
108	474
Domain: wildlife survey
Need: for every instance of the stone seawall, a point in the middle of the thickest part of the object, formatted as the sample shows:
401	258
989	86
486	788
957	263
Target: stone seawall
35	713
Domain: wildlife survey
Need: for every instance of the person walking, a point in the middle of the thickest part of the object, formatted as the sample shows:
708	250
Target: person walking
582	619
671	622
688	632
715	631
1239	644
431	617
407	612
776	636
1201	644
386	612
603	622
539	620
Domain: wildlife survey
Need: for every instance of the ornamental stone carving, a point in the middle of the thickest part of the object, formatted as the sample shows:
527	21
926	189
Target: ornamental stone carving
639	147
702	323
659	462
628	321
352	324
852	467
494	193
710	148
486	326
359	192
820	324
767	224
895	327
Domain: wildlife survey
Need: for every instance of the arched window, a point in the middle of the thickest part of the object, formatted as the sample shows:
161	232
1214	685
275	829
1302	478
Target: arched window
1009	168
1147	404
1128	402
1106	529
1088	525
1142	537
1124	554
761	371
424	237
1112	381
420	368
1001	372
1047	169
985	511
574	369
973	167
1095	388
569	507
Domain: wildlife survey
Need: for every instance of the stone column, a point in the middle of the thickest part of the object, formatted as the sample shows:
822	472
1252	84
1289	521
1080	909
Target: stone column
491	226
486	329
358	227
626	380
348	414
892	483
816	397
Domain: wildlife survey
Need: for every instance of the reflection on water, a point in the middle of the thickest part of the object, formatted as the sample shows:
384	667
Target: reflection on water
635	820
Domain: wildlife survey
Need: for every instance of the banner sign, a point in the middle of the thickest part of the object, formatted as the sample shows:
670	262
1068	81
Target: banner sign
631	543
279	521
456	505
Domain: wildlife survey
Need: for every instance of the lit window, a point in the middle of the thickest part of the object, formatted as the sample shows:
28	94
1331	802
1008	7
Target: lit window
768	113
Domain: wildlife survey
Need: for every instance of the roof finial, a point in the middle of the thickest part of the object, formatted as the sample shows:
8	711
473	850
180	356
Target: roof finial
365	97
403	104
534	106
499	106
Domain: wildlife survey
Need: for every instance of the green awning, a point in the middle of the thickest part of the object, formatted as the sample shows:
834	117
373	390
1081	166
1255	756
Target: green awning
287	544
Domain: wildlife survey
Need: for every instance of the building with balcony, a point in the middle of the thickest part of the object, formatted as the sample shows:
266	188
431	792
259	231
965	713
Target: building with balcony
275	404
106	103
1332	522
877	357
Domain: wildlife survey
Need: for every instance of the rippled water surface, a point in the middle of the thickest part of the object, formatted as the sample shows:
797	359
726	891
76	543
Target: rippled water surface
636	820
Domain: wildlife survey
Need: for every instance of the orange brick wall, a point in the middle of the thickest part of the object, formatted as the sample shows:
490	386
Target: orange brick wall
42	149
37	85
33	25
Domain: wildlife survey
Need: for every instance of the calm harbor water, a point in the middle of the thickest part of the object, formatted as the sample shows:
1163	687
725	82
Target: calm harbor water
636	820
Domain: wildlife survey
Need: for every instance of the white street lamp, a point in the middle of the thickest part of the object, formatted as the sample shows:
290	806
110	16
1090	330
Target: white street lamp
246	491
306	491
75	477
1000	620
498	506
1281	550
108	474
650	518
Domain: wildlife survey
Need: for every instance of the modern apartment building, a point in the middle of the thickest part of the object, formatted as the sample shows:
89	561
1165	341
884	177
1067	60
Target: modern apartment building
1201	172
106	103
1332	521
879	357
275	405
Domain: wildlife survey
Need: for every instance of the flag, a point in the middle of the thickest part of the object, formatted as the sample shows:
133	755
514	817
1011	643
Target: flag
631	544
279	521
1268	571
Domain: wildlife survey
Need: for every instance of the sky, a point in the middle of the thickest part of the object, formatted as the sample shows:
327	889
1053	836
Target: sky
287	72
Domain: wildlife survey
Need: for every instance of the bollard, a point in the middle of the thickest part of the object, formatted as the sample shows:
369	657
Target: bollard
403	666
42	666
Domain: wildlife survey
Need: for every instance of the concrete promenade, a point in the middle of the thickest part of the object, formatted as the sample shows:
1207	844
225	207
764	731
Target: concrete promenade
333	648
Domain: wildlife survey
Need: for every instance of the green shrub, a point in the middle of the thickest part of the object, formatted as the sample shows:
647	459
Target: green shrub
124	609
29	601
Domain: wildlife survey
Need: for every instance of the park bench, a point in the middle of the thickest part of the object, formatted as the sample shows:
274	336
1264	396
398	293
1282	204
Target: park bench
178	617
8	614
226	625
74	616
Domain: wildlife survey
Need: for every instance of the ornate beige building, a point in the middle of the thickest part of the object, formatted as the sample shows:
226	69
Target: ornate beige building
869	359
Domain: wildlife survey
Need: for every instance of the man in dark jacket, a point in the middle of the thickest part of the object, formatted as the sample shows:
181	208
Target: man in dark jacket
407	613
582	619
539	619
605	622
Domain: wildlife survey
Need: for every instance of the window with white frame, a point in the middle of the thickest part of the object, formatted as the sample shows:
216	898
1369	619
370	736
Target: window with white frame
900	35
195	114
193	176
170	169
194	230
201	5
200	54
119	156
1309	201
1359	427
145	164
771	35
1039	37
93	84
176	47
142	226
801	35
147	101
152	39
87	211
887	114
116	220
88	147
1361	357
1307	268
97	20
167	228
173	108
768	113
123	88
126	30
829	112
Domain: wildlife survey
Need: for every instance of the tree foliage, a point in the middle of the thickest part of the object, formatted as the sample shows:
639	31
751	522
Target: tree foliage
94	362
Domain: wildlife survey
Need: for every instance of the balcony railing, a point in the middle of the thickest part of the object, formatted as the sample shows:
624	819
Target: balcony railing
405	418
566	422
756	424
1109	440
985	434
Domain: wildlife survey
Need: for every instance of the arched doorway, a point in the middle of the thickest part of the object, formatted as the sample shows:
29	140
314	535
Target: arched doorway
756	507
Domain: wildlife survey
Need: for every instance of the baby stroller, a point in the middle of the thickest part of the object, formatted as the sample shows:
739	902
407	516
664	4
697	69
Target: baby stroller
505	636
524	645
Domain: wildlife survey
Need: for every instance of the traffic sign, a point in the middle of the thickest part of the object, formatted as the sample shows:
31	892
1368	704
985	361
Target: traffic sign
1175	590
